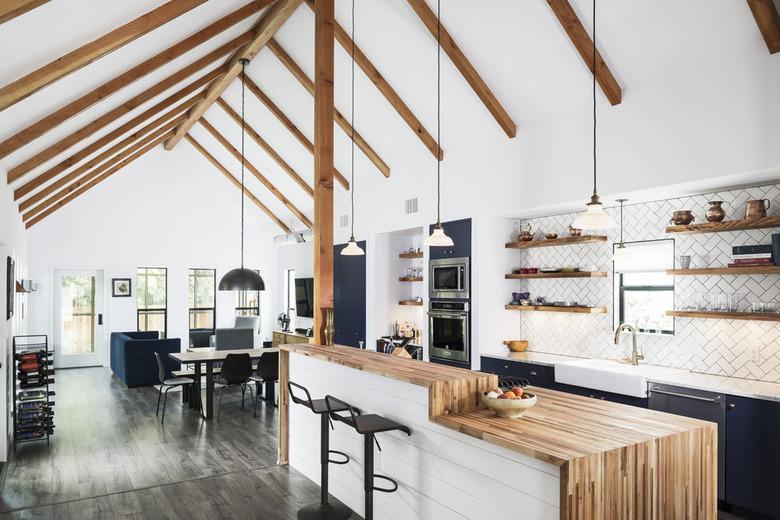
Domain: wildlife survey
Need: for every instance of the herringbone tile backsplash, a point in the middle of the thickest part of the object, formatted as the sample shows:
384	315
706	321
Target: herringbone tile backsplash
747	349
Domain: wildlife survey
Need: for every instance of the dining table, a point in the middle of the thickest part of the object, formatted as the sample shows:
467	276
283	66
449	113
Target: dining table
207	357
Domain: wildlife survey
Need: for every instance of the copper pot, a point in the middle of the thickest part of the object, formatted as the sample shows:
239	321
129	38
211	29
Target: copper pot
573	231
682	217
715	212
756	208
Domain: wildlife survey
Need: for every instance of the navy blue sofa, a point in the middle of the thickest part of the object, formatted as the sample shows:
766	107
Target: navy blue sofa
132	356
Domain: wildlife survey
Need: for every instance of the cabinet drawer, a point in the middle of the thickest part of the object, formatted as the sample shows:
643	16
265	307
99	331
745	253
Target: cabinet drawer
538	375
640	402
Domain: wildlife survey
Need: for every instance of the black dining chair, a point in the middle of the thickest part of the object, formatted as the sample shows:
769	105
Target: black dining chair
267	374
167	383
236	370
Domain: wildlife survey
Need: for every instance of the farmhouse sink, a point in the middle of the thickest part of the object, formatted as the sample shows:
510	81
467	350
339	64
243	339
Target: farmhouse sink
609	376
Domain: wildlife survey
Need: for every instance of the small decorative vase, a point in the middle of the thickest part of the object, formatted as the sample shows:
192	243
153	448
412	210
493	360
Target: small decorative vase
329	330
715	212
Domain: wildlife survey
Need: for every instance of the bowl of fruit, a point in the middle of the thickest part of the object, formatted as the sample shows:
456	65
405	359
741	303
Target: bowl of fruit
511	403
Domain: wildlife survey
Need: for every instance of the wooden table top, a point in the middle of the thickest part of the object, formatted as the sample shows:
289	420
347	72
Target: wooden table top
560	428
206	354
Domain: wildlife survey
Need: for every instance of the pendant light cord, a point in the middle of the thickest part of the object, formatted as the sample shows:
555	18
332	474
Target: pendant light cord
243	125
594	97
352	131
438	113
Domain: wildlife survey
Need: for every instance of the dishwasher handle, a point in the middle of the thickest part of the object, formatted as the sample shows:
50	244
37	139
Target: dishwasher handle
715	400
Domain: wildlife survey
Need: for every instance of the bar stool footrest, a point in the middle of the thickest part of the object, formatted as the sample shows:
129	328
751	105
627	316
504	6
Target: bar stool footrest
332	461
388	479
331	511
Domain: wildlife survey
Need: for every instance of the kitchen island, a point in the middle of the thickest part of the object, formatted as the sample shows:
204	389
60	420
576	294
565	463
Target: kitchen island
568	457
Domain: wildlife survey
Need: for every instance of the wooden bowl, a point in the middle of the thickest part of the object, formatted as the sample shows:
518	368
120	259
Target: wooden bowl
517	345
509	408
551	236
525	237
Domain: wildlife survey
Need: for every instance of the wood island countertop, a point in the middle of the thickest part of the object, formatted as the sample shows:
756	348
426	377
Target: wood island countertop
616	461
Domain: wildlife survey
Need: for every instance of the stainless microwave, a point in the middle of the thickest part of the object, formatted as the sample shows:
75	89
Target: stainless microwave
449	278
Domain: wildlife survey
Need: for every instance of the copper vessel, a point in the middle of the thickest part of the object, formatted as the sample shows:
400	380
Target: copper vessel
715	212
573	231
756	208
682	217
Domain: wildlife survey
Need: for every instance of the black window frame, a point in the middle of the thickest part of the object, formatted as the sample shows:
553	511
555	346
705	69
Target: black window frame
240	308
213	308
164	333
622	288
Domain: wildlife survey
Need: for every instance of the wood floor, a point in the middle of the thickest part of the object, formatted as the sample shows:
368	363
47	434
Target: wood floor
111	458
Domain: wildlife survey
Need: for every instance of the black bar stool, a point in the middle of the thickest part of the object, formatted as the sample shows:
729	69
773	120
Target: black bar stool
323	510
367	425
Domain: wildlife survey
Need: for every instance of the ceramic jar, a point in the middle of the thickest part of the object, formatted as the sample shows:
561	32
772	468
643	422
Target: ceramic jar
715	212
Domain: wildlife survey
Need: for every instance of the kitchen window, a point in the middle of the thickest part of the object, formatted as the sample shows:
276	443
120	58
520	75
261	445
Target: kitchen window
248	302
643	290
152	298
202	298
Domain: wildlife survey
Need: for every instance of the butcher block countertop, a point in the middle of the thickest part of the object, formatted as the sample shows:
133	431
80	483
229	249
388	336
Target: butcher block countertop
616	461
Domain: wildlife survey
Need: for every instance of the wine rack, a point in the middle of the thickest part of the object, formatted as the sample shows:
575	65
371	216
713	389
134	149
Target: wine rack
33	406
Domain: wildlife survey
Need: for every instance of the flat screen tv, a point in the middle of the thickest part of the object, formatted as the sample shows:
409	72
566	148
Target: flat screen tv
304	297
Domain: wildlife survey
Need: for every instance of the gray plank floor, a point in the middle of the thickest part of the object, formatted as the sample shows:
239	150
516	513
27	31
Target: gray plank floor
111	458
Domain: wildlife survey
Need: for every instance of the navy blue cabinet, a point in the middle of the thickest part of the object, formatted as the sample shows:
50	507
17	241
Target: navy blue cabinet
753	455
349	297
460	233
537	375
640	402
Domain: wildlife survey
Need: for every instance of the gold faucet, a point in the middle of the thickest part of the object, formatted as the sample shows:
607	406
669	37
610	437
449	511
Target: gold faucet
635	356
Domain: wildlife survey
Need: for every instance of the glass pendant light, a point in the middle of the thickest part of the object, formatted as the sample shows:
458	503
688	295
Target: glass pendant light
242	279
353	249
594	216
621	251
438	238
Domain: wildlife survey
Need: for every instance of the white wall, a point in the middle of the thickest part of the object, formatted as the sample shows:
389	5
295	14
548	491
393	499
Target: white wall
13	243
301	258
165	210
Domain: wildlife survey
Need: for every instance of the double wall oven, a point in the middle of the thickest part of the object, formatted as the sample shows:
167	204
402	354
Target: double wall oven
449	316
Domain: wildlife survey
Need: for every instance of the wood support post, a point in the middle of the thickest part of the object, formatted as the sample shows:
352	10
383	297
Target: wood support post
323	163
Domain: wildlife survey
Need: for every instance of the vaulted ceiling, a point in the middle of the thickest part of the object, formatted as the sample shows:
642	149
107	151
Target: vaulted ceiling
87	91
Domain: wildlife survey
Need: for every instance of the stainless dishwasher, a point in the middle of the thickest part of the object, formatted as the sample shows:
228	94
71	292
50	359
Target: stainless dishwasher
697	404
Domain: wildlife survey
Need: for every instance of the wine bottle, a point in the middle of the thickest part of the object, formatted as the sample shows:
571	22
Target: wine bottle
37	383
31	416
34	434
35	405
34	394
34	376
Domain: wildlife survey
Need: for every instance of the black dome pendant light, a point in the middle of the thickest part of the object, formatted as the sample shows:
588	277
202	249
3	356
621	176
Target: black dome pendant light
242	279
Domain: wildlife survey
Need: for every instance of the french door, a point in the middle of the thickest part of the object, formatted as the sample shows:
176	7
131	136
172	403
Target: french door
78	317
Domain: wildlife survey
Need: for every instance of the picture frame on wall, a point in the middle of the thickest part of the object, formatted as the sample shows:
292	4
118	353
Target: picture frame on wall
121	287
10	285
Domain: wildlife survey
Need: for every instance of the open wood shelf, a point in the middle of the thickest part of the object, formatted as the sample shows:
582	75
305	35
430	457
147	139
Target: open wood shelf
726	225
576	274
552	308
764	269
411	279
565	241
411	303
725	315
410	255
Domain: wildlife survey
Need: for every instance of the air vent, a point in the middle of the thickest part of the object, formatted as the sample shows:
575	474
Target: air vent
411	206
344	221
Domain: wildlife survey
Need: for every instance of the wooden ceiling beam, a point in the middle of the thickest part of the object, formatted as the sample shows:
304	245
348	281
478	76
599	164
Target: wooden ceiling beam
133	103
470	74
342	121
267	147
122	129
229	176
81	181
94	182
105	90
768	20
86	54
384	87
584	45
107	154
10	9
259	176
294	130
271	21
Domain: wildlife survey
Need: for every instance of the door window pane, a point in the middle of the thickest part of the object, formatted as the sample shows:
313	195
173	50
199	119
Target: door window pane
153	299
77	314
202	298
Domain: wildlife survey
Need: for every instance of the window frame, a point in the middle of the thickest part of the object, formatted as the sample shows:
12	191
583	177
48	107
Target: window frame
164	309
213	308
622	288
245	294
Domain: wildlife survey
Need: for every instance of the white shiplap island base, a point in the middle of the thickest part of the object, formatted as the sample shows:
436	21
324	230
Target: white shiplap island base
569	457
